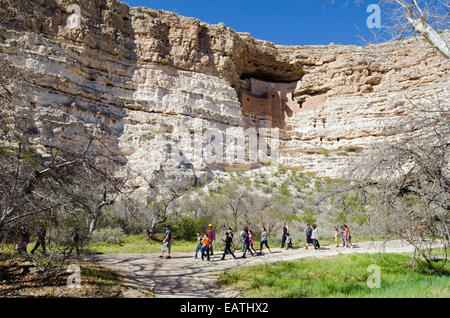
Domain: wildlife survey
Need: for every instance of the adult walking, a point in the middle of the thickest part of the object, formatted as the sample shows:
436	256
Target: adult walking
212	238
315	237
285	234
348	237
166	242
228	241
264	240
40	240
308	235
76	239
243	238
23	242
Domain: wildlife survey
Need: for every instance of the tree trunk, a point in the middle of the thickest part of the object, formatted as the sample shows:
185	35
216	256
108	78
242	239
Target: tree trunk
96	216
421	26
149	233
93	223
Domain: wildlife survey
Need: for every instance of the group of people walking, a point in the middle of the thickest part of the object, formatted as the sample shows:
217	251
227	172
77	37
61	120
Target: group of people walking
205	242
344	233
248	244
312	236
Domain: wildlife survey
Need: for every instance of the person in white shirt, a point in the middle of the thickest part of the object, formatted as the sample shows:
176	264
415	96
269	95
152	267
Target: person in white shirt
315	237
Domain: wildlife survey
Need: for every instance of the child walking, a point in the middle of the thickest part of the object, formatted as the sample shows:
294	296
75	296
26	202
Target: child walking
199	244
246	243
336	235
288	241
250	237
205	248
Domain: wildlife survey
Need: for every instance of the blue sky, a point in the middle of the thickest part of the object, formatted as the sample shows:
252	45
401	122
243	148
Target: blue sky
289	22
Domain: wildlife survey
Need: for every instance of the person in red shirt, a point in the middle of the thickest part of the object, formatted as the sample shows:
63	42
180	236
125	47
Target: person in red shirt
212	238
205	248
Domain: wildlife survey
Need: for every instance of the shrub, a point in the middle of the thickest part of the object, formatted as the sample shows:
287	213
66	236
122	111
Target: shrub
187	228
108	235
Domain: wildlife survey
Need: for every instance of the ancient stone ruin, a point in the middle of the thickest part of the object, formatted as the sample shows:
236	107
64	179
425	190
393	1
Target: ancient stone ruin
269	101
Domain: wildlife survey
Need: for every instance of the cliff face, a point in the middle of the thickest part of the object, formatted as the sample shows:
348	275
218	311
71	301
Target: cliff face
135	76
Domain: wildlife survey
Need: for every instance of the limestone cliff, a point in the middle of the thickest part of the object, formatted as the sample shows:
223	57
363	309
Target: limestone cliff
136	75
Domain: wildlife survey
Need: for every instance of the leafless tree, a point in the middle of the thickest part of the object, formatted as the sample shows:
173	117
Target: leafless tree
235	200
38	179
409	180
409	17
237	204
167	185
422	16
402	187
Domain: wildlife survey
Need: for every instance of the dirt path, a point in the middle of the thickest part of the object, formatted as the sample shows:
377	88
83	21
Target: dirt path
184	276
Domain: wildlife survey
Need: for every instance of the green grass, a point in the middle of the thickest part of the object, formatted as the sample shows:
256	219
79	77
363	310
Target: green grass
138	244
339	276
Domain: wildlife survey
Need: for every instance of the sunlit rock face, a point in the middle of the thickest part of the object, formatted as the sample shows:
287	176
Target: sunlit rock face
137	77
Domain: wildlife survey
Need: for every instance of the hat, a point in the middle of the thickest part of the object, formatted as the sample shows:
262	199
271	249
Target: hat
167	225
209	224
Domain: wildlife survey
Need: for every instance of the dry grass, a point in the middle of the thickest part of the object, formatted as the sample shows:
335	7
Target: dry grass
18	278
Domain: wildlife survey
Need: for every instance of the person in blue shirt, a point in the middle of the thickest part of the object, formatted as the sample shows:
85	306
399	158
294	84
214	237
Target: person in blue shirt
199	244
166	242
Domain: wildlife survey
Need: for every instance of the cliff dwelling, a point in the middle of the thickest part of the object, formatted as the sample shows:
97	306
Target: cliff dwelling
271	101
